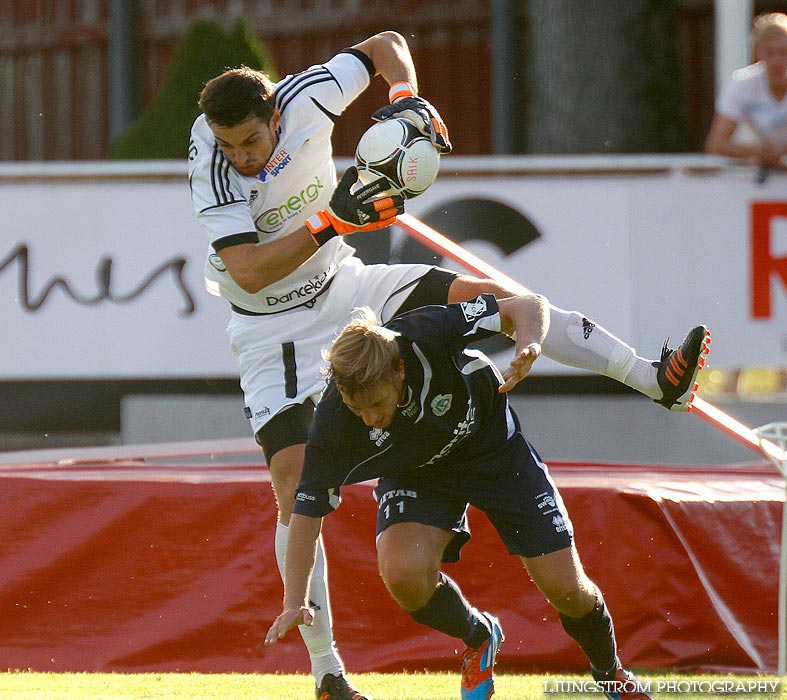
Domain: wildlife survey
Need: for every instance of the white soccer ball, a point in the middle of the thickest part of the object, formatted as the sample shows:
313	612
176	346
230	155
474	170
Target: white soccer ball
395	149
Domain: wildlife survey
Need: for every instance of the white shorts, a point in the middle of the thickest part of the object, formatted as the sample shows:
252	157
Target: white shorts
280	355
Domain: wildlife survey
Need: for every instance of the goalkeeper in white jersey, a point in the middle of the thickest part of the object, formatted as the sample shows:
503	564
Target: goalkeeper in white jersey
263	185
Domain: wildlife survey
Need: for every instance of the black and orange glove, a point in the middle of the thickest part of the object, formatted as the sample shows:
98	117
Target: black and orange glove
350	212
407	105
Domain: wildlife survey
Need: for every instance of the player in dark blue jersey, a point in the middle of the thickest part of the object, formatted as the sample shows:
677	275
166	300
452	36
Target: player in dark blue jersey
409	403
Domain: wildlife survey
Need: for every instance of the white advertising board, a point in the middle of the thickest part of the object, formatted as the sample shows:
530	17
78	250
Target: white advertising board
101	264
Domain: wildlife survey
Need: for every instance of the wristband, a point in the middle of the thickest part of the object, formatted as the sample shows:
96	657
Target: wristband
320	228
399	90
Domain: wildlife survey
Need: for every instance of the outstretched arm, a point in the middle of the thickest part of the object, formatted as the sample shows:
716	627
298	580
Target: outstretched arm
391	57
527	318
392	60
299	562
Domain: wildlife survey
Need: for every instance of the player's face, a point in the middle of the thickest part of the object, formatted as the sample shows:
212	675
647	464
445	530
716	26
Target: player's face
248	145
773	52
377	406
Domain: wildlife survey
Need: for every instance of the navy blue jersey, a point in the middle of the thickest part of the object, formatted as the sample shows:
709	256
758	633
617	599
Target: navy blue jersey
453	413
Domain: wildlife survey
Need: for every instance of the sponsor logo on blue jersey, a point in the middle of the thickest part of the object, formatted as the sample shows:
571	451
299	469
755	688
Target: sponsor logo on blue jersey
473	309
378	436
463	429
441	404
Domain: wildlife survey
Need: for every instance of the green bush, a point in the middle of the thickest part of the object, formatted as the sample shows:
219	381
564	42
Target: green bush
204	51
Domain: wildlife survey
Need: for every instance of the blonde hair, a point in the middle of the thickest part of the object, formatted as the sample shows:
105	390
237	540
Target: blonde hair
767	26
363	354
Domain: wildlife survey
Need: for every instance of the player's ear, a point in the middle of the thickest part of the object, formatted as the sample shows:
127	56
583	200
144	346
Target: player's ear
275	119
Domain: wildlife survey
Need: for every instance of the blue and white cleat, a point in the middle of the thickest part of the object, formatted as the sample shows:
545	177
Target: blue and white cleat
478	678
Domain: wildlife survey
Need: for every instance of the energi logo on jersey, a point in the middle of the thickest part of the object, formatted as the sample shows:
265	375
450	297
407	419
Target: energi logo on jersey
473	309
271	220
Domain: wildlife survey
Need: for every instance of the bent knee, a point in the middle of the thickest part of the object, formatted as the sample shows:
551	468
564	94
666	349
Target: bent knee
572	600
399	574
411	586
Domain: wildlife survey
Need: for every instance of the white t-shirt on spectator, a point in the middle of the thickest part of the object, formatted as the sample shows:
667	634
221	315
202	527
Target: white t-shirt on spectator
749	101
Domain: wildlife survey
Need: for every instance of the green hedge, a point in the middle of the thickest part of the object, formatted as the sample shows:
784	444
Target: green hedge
204	51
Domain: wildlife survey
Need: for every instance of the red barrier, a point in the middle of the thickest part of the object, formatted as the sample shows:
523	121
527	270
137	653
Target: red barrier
133	566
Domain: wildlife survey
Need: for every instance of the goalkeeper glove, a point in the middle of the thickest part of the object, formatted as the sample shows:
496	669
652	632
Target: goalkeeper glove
407	105
349	212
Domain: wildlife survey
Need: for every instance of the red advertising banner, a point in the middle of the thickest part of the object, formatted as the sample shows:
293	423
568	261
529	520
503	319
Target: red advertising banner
128	566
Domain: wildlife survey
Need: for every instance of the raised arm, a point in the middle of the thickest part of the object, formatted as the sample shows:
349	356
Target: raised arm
391	57
392	60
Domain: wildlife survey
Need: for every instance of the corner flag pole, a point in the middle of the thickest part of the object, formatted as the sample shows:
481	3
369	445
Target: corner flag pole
439	243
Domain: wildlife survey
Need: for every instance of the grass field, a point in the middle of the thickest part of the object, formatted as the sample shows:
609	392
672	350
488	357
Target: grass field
432	686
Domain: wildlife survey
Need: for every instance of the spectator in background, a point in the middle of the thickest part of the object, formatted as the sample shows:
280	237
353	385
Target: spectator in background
750	121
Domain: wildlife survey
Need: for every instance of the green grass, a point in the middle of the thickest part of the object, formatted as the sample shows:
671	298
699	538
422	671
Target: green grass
432	686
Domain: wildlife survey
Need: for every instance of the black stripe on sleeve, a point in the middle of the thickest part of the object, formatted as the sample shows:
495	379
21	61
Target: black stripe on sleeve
363	58
235	239
333	117
295	82
225	172
290	94
220	179
214	157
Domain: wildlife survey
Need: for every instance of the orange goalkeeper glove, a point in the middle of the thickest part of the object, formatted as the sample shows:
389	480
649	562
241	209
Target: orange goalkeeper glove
350	212
407	105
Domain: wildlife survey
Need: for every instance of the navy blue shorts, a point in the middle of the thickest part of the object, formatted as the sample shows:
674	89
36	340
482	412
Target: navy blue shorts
512	487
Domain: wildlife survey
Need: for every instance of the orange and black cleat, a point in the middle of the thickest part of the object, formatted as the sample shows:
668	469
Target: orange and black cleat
337	688
677	369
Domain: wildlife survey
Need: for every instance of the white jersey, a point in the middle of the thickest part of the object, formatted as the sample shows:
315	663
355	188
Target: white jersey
749	101
297	181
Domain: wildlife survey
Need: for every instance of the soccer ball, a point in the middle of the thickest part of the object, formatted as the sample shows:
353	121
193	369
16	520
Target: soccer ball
395	149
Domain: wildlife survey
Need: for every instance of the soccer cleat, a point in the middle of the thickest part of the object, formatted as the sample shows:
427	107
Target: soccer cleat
337	688
676	371
478	678
624	686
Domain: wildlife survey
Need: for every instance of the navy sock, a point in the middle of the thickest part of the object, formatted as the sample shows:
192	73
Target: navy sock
449	611
595	634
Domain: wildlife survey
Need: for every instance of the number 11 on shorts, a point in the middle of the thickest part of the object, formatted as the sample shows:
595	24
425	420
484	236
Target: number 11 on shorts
399	505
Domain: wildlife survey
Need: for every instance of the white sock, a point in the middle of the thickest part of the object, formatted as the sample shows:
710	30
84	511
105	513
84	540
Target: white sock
319	637
577	341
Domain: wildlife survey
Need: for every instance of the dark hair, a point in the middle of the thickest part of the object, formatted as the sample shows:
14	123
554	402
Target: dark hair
236	95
